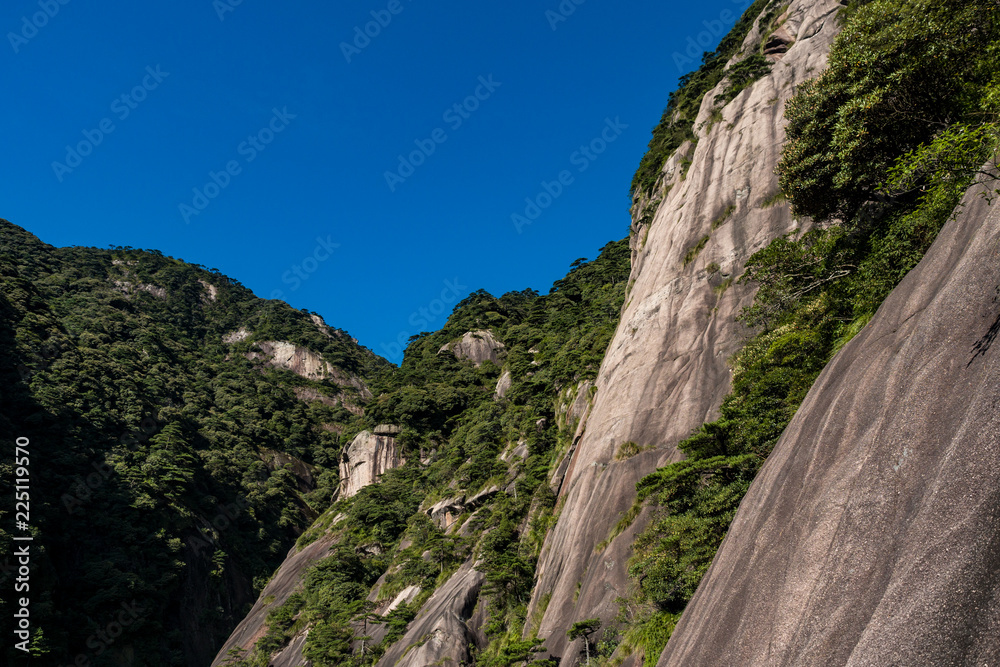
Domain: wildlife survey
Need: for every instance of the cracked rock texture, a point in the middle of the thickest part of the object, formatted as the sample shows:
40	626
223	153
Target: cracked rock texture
476	346
365	460
445	630
665	372
872	534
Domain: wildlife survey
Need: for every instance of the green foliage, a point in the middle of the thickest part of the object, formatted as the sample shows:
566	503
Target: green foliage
899	73
676	125
695	250
627	450
583	629
721	220
873	142
648	635
453	421
164	479
742	74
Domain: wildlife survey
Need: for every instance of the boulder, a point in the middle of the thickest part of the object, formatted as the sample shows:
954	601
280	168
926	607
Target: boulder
365	460
475	346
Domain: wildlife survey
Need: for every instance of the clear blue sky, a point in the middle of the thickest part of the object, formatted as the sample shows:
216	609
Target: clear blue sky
186	93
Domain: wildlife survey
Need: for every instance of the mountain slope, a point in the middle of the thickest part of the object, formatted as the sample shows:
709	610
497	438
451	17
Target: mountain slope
666	372
184	433
443	547
870	536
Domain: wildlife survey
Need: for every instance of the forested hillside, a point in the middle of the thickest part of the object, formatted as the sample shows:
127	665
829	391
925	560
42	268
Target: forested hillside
482	438
204	457
174	463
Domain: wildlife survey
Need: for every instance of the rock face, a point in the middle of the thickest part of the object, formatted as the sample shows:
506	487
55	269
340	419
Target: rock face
446	512
503	385
303	362
365	460
285	581
128	288
476	346
442	634
872	534
665	371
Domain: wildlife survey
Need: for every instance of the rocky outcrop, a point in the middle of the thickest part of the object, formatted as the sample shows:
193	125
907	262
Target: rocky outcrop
365	460
476	346
442	633
574	403
299	360
129	288
665	372
503	385
446	512
872	534
211	292
303	362
388	429
236	336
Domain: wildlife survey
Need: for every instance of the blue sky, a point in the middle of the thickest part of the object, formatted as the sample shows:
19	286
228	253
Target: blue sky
283	145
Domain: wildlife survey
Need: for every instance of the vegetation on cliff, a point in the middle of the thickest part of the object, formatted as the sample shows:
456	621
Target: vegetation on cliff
454	429
170	471
881	148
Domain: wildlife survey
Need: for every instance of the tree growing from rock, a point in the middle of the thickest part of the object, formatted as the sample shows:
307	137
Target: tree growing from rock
584	629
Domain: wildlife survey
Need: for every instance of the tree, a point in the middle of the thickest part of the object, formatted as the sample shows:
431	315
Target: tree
900	73
584	629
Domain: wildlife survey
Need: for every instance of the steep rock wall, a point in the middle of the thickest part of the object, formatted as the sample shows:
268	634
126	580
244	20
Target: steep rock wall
442	634
665	372
365	460
285	581
872	534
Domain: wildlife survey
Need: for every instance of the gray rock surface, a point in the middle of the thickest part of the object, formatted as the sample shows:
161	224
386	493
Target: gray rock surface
665	371
305	363
442	634
476	346
286	579
872	534
365	460
503	385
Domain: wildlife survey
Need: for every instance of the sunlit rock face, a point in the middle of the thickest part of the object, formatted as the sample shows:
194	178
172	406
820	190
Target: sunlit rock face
365	460
872	534
665	372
